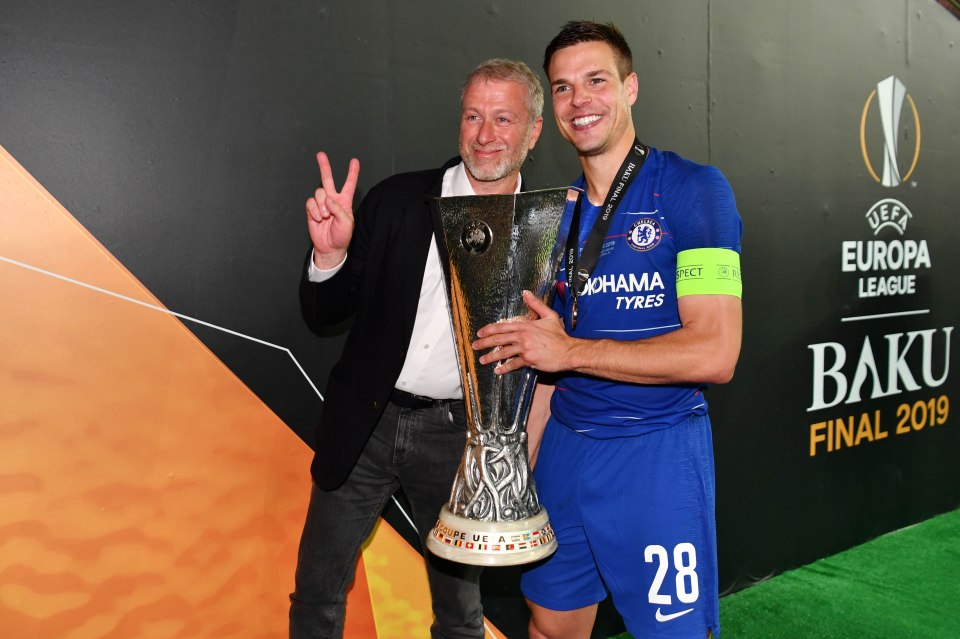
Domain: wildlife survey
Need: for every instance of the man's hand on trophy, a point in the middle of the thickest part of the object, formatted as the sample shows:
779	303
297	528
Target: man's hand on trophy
538	341
330	214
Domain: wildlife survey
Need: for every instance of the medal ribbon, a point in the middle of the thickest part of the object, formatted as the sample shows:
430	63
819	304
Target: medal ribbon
579	265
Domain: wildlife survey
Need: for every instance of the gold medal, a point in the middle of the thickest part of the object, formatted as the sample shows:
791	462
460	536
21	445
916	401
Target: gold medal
573	314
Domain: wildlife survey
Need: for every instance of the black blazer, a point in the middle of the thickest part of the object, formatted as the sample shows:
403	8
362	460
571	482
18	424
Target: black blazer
380	286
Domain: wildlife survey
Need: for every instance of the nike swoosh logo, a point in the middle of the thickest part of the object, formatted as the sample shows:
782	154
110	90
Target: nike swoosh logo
662	617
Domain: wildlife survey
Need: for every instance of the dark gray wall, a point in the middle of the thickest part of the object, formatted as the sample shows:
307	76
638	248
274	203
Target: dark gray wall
183	134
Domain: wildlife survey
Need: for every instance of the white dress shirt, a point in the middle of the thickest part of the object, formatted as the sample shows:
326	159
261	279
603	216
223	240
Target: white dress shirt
430	368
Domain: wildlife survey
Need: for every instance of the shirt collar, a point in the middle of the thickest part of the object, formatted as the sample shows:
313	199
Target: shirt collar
456	182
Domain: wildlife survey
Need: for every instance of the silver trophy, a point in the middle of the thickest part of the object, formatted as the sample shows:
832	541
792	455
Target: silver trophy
496	246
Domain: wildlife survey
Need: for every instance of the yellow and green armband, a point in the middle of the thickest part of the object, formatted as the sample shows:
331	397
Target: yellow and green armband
708	271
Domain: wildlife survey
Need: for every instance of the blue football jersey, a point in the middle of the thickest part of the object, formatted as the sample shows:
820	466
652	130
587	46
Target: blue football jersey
672	205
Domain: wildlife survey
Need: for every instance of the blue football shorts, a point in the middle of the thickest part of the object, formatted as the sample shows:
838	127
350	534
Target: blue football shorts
635	516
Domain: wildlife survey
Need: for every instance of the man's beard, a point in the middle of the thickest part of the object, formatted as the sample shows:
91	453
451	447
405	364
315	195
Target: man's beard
509	163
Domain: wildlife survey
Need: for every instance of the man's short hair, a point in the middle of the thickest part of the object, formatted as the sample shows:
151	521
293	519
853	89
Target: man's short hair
503	70
577	31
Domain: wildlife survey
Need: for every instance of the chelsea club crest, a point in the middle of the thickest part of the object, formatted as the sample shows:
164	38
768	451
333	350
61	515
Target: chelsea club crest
645	234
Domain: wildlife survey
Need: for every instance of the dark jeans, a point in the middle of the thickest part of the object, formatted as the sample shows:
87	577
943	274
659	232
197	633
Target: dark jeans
419	451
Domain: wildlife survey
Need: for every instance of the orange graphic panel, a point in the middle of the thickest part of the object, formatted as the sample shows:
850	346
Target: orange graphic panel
144	490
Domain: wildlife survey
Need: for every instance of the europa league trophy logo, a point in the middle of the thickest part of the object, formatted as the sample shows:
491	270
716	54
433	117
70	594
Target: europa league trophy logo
496	246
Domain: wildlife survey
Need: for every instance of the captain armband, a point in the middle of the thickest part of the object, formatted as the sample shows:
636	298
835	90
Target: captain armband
708	271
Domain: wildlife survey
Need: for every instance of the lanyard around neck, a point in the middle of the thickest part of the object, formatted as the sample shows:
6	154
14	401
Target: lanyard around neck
579	264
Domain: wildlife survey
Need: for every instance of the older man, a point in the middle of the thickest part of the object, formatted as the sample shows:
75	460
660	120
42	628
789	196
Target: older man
394	416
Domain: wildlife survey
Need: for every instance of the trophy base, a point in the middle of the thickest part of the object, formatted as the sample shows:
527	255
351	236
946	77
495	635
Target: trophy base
492	543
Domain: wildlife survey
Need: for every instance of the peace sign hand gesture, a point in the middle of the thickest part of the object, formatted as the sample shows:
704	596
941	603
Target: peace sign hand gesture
330	214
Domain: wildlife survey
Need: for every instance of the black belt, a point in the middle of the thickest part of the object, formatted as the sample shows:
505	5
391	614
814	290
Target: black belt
404	399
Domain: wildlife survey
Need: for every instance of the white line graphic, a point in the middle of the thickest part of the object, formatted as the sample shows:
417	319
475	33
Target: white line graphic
168	312
884	315
189	319
201	322
406	516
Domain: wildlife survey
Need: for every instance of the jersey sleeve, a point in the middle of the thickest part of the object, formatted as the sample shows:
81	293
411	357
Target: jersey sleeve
700	207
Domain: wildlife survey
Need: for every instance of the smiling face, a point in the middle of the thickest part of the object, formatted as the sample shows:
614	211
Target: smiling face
590	102
496	132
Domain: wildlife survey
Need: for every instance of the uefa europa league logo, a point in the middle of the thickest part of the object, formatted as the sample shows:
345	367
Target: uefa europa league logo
890	95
